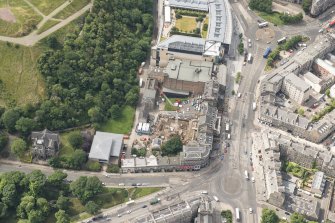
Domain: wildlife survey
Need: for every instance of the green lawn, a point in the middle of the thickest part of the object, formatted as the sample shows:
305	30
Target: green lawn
26	18
21	81
271	17
47	6
122	125
186	24
143	191
75	6
66	149
47	25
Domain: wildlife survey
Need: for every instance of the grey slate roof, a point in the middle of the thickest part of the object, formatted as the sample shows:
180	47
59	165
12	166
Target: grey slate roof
201	5
185	43
105	145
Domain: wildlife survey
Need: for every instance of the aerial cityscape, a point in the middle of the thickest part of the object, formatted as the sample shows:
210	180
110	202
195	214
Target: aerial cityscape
167	111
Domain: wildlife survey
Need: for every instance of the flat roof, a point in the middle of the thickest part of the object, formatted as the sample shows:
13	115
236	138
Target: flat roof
220	22
297	82
318	180
194	71
183	42
200	5
312	78
105	144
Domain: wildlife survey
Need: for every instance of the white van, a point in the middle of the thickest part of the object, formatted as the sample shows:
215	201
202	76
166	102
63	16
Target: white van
216	198
204	192
228	137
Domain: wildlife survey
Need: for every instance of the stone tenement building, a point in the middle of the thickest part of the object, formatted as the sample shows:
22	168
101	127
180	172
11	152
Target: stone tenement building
286	79
319	6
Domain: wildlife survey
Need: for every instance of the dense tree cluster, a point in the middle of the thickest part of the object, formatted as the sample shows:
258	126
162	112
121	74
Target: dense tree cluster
261	5
291	19
34	197
94	70
173	146
97	69
269	216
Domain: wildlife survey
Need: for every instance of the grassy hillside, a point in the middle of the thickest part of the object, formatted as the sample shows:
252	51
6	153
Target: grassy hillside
20	81
25	18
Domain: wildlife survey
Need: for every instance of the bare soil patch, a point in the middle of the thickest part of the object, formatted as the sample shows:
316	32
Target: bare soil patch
7	15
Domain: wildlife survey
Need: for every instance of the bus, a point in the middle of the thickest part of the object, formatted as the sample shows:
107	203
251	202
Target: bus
282	40
237	210
263	24
267	52
249	57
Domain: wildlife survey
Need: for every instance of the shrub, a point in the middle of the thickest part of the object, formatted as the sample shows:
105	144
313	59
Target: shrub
261	5
178	16
205	27
173	146
18	147
113	169
93	166
139	152
91	207
75	139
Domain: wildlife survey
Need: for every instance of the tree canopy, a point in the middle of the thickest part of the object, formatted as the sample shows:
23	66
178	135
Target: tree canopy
34	197
18	147
173	146
86	187
96	69
269	216
261	5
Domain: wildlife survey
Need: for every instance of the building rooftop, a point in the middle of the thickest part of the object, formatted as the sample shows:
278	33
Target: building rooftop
284	116
183	43
318	181
314	50
194	71
105	145
200	5
312	78
220	21
297	82
325	66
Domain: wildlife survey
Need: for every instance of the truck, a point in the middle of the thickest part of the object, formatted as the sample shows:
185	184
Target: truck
249	57
332	23
254	106
246	174
155	201
263	24
267	52
237	212
227	127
